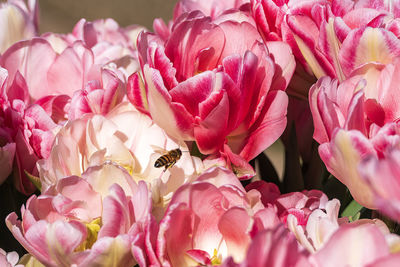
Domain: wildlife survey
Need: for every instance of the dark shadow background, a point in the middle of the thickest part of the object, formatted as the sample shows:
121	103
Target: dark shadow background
61	15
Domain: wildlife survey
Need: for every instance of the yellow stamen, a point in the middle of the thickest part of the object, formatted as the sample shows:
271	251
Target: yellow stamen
93	229
216	259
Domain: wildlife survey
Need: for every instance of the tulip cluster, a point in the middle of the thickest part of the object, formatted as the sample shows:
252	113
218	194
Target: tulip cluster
147	147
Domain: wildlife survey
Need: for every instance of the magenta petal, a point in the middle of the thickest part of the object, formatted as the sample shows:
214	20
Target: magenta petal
200	256
211	130
136	93
194	91
190	37
162	63
269	126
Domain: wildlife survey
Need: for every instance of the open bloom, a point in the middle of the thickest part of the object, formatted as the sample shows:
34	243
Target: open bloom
210	220
353	120
332	37
18	21
93	220
126	137
214	82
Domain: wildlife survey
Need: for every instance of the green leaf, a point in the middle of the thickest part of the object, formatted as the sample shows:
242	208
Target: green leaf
35	180
352	211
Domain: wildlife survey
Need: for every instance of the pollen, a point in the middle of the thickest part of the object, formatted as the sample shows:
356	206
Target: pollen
216	259
93	229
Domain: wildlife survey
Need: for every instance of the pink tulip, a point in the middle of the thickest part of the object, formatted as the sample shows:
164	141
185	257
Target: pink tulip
347	149
331	37
351	121
88	221
26	131
210	220
214	87
18	21
37	97
45	71
127	138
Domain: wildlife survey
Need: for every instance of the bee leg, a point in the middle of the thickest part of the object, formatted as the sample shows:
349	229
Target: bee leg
169	165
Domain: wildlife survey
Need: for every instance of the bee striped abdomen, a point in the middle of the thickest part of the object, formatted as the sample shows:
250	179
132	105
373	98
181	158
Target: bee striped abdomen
168	160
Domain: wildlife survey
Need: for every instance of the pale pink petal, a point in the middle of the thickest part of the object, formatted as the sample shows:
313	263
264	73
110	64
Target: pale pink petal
353	245
234	227
32	59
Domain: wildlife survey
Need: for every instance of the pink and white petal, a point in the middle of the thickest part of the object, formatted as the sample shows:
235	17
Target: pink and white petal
72	69
56	106
172	117
193	91
102	177
109	251
32	59
42	142
342	156
368	45
356	118
285	64
210	131
388	95
208	203
174	236
62	238
234	226
136	93
158	60
320	131
195	45
117	213
330	45
305	34
353	245
78	189
268	127
34	243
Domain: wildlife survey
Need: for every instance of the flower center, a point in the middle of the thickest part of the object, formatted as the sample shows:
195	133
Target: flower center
216	259
93	229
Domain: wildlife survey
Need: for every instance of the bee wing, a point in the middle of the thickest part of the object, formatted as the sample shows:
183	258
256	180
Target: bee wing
159	150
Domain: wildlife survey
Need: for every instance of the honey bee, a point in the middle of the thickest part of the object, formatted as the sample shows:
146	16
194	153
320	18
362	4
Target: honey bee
169	159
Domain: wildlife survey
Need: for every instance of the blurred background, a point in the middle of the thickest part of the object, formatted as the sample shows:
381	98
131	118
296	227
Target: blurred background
61	15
